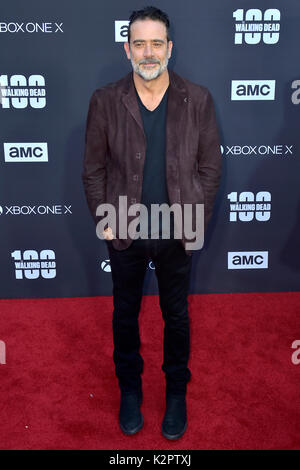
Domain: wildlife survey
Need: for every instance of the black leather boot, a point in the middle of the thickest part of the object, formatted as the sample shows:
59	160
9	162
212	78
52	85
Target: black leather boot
130	417
175	419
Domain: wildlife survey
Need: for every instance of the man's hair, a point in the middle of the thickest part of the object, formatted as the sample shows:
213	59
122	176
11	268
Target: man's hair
151	13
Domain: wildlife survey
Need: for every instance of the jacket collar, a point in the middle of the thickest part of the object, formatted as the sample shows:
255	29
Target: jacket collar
177	94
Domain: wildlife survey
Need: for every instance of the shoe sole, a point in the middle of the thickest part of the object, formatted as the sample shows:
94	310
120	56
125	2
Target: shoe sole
173	437
134	430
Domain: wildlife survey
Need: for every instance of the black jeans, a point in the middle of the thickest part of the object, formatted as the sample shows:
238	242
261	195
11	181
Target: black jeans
172	268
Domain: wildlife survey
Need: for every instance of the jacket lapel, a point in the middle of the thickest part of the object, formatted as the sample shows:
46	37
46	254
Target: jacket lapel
130	100
175	125
176	115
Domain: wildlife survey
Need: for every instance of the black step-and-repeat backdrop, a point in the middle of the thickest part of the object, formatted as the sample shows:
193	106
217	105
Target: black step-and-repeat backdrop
53	56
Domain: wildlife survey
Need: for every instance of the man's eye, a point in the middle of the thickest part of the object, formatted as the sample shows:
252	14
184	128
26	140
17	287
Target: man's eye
156	44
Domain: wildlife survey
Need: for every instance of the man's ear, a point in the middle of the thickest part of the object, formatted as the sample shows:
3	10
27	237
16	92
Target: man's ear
127	48
170	51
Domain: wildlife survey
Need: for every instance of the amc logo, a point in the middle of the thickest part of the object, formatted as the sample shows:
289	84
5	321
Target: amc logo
247	259
25	152
253	90
121	30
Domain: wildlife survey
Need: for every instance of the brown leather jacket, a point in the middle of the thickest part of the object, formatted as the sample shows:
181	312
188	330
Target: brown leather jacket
115	147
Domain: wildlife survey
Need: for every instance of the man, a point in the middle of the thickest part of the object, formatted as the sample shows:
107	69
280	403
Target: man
152	137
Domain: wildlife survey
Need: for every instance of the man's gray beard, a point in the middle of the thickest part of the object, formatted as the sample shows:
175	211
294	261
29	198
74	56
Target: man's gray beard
150	75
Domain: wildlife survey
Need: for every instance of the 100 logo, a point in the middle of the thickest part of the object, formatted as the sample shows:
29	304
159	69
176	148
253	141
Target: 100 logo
32	264
254	26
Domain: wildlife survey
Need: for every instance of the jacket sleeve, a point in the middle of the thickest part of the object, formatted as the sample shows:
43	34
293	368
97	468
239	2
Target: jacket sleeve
209	158
94	164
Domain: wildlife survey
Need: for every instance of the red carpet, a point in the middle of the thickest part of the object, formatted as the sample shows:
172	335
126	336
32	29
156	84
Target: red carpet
59	391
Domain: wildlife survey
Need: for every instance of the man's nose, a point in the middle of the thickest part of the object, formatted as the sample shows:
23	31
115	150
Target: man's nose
148	50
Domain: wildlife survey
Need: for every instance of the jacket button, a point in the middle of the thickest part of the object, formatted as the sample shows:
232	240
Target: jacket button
138	155
135	177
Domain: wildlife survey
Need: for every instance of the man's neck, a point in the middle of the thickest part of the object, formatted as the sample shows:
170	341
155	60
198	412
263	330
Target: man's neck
151	88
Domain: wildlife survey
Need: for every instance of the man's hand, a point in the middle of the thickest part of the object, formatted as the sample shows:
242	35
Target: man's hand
107	233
